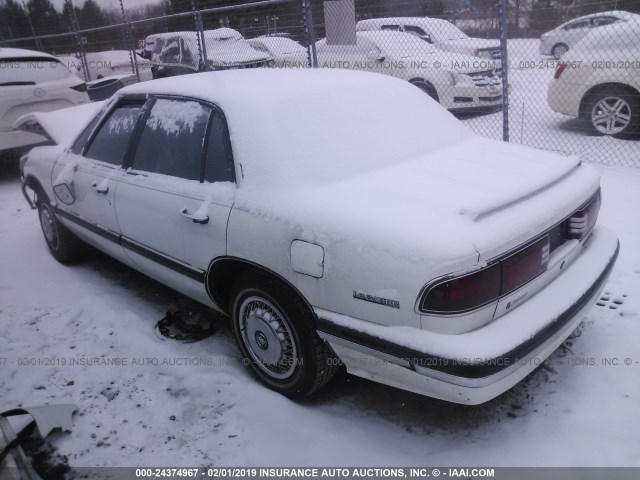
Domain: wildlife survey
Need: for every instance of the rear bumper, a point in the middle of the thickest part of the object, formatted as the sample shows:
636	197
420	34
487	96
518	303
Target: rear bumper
475	367
564	97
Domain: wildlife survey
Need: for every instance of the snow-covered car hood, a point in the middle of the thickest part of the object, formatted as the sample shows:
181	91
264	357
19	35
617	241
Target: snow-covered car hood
60	126
472	43
450	60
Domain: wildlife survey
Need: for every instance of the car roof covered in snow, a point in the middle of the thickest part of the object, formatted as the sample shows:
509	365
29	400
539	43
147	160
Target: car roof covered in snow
315	126
23	53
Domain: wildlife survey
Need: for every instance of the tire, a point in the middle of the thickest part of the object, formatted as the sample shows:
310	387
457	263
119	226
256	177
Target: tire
276	332
614	111
427	88
559	50
63	245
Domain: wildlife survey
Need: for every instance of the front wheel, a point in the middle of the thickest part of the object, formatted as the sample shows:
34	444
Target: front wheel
276	333
63	245
559	50
427	88
615	112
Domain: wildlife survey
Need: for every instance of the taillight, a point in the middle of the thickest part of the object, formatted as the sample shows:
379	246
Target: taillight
581	222
82	87
559	69
525	265
470	292
464	293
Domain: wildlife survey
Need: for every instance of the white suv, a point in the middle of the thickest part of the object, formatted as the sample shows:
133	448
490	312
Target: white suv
33	81
599	80
558	41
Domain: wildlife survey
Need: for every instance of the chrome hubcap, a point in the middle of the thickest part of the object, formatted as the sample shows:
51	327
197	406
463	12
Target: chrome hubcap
611	115
559	51
48	226
267	335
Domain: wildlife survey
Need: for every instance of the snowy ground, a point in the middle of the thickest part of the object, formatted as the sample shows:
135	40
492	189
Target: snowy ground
576	411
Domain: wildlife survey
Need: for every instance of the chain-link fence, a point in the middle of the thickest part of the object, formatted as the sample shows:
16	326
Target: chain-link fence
561	75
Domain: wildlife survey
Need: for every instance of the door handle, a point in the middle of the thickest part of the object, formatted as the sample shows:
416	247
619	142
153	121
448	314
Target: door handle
103	189
201	219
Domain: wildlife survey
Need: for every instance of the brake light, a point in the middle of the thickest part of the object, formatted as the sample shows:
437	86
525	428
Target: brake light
559	69
81	87
581	222
464	293
525	265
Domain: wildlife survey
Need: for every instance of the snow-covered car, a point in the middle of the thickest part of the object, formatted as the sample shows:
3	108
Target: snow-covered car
558	41
115	63
599	80
284	51
178	53
441	33
336	217
32	81
458	82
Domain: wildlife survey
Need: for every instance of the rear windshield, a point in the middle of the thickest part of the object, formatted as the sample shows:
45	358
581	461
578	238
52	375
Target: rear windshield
31	71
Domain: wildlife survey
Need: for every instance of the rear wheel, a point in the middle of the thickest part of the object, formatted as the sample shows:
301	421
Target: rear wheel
614	111
276	333
63	245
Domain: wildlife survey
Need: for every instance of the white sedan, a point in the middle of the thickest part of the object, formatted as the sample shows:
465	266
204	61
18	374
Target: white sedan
458	82
336	217
286	53
558	41
599	81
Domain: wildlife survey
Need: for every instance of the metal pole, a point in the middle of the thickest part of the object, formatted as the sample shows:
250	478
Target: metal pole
126	30
310	30
200	27
76	30
505	69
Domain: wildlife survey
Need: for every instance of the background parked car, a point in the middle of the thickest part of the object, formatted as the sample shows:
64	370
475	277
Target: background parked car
284	51
443	34
448	78
32	81
116	62
559	40
599	80
177	53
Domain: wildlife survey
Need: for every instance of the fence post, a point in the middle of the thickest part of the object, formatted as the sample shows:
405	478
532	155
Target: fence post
76	30
502	21
126	30
310	30
202	47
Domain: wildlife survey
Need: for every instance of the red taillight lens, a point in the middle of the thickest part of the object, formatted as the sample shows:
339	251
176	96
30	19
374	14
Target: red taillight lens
464	293
581	222
524	266
559	69
82	87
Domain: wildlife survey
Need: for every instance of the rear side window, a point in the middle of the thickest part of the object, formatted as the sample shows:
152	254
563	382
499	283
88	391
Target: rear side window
219	160
172	141
110	143
31	71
